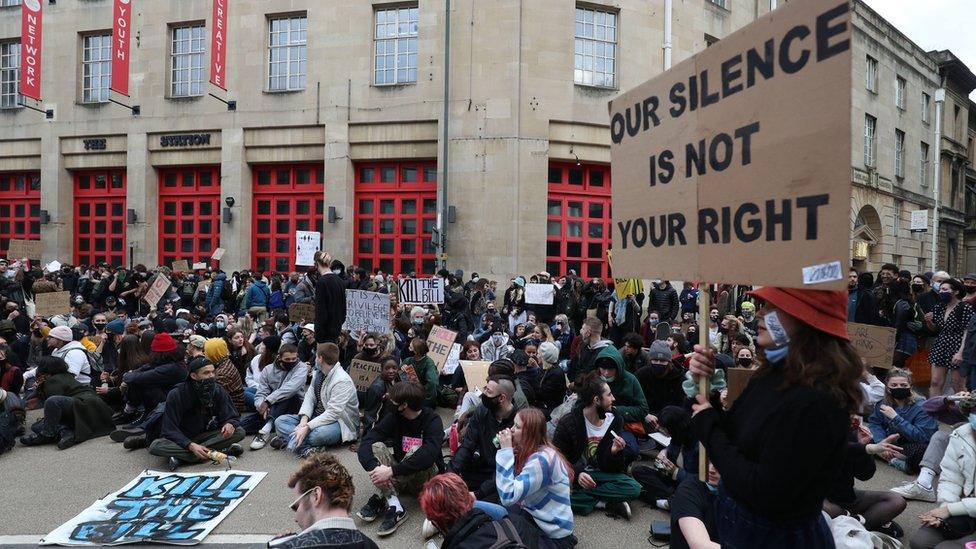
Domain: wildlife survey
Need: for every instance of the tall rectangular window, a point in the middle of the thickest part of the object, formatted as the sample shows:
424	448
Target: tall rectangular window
899	154
926	104
187	61
395	60
871	82
97	68
5	3
923	164
288	53
596	48
900	85
870	125
9	74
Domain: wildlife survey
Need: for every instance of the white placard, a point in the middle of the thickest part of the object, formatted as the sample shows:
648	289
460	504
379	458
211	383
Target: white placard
453	360
306	244
369	311
421	291
539	294
920	220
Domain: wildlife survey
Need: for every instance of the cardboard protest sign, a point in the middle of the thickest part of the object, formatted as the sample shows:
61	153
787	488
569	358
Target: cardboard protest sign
539	294
737	378
409	373
198	266
181	266
421	291
439	343
306	244
19	249
742	151
453	360
157	290
368	311
475	373
874	344
52	303
300	311
184	509
364	373
218	254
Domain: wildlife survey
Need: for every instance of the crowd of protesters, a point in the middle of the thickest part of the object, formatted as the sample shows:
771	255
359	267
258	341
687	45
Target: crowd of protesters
590	403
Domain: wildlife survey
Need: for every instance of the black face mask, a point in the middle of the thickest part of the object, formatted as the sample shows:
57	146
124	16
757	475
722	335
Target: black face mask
370	352
901	393
918	288
970	290
286	366
492	403
204	390
745	362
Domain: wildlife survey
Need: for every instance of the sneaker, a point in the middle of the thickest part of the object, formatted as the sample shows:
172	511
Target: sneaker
119	435
310	451
891	528
135	442
392	520
619	509
173	463
259	441
67	441
899	464
914	490
372	509
277	443
234	450
428	530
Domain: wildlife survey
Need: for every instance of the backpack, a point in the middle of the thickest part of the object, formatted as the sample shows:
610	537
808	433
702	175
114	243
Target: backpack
506	537
95	367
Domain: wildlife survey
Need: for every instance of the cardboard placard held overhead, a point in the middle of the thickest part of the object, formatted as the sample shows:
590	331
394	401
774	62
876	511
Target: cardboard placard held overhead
367	311
218	254
181	266
52	303
19	249
364	373
301	311
421	291
475	373
741	152
874	344
157	290
539	294
439	343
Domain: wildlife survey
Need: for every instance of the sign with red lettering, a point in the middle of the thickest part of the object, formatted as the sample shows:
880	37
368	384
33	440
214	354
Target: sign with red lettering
31	19
121	31
218	44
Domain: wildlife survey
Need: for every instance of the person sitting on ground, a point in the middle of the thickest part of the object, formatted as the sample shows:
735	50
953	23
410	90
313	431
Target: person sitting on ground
329	414
497	346
218	354
591	344
534	478
589	437
267	353
552	384
376	405
475	456
147	386
635	357
73	413
417	435
464	523
281	389
630	406
693	511
199	418
324	492
660	479
61	340
660	381
425	369
875	510
901	413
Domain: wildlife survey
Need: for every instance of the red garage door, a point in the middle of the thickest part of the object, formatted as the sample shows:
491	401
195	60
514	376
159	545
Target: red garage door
286	199
396	212
99	217
578	220
20	208
189	210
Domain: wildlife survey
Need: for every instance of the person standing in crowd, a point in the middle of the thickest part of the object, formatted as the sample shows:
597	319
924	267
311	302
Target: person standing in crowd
794	415
280	391
949	321
330	299
861	306
925	296
73	413
324	492
329	414
901	413
903	314
688	299
199	418
664	299
882	295
258	299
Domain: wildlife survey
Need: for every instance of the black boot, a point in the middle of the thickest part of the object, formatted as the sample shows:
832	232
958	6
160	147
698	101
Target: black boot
173	463
67	439
124	418
41	436
135	442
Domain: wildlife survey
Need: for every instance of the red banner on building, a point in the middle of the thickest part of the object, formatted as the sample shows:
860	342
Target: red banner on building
30	49
121	31
218	44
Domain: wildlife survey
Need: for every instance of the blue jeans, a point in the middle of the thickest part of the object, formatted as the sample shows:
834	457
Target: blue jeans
249	393
329	434
741	529
493	510
254	422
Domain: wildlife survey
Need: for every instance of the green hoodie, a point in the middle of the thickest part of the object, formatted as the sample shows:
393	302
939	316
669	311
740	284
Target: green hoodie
630	402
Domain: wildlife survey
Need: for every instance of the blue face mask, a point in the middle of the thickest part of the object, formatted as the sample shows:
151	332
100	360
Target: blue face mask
972	420
776	355
712	489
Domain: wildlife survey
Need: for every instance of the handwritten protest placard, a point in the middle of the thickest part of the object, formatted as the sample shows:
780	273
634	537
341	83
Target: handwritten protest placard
185	508
301	311
364	373
874	344
453	360
306	244
421	291
439	343
181	266
539	294
52	303
19	249
741	151
369	311
157	290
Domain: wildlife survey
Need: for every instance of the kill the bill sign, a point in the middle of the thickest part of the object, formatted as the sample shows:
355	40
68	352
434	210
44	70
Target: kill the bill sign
734	166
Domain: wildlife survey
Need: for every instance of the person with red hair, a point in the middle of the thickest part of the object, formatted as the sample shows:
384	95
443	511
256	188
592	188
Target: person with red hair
531	474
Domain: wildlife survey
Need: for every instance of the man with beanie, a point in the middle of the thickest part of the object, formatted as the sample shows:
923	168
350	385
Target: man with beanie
281	387
552	384
199	417
61	340
660	381
226	374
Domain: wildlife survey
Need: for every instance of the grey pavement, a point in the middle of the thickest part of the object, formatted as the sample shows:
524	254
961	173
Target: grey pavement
43	487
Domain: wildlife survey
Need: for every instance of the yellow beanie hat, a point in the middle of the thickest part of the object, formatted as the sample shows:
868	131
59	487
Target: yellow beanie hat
215	349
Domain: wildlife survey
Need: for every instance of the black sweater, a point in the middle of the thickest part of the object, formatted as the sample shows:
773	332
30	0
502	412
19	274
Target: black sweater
571	440
427	427
778	450
857	465
330	307
184	418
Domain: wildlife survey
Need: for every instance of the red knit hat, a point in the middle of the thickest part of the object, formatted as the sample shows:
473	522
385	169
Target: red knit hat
163	343
822	310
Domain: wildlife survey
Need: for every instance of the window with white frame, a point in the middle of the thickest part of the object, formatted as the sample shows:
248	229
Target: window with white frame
721	3
395	50
596	48
186	73
900	86
926	104
871	78
923	164
899	154
97	68
9	74
5	3
288	53
870	125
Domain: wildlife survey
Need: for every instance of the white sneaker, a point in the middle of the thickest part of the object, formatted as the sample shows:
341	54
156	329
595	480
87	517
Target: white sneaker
258	442
428	530
914	490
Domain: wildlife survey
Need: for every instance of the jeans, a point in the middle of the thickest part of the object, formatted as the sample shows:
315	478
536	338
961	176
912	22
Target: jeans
152	417
329	434
493	510
741	529
249	393
254	422
59	412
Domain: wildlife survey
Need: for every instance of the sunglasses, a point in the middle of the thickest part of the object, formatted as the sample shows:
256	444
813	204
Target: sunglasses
294	504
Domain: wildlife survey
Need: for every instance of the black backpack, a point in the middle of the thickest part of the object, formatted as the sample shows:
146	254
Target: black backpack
506	537
95	367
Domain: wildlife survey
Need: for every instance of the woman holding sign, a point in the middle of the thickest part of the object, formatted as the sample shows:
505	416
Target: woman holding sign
781	443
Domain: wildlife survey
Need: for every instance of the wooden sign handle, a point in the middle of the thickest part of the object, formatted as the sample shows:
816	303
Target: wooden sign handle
704	384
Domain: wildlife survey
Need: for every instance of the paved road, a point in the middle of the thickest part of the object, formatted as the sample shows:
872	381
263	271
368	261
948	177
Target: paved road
42	488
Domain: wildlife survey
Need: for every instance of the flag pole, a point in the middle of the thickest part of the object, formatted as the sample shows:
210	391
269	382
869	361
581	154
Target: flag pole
704	383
